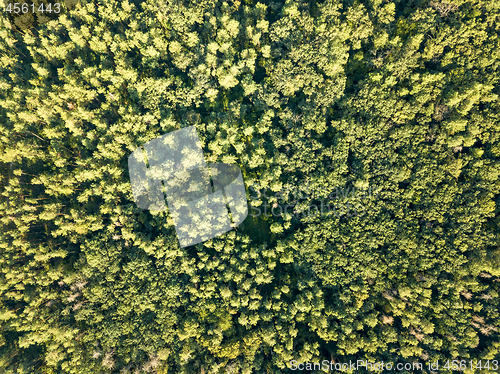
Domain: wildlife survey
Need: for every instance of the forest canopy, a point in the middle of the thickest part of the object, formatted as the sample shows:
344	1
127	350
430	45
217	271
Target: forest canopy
386	109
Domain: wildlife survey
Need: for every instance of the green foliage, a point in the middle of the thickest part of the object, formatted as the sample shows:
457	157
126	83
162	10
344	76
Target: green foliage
400	99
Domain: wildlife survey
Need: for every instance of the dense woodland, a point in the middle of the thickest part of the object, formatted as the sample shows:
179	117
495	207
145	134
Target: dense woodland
398	97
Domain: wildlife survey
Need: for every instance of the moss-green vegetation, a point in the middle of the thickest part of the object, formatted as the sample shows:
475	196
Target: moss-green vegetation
397	97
